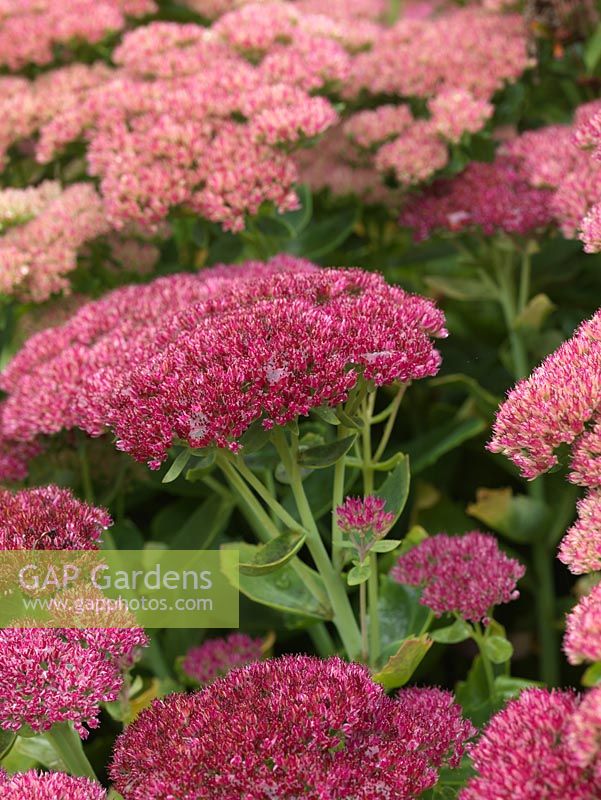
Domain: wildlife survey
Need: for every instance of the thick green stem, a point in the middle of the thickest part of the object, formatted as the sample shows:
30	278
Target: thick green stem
374	617
337	500
344	619
67	745
525	276
368	488
363	621
323	642
368	470
543	557
86	478
508	304
263	524
394	410
478	637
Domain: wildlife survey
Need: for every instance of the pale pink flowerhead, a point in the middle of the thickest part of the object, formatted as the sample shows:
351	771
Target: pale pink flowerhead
584	733
290	727
582	640
214	658
580	548
413	156
465	575
49	786
553	406
456	111
374	127
525	754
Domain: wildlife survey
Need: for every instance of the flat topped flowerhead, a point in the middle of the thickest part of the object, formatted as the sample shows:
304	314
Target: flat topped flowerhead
48	677
464	575
291	727
49	786
525	752
582	640
49	518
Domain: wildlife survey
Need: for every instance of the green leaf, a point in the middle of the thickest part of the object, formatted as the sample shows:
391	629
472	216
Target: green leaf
274	555
346	420
358	575
395	489
204	525
178	466
509	688
327	414
202	466
592	675
461	288
29	752
518	517
7	740
295	589
400	613
298	220
385	546
321	237
276	227
401	666
450	782
498	649
254	438
535	313
459	631
473	694
592	51
326	455
425	450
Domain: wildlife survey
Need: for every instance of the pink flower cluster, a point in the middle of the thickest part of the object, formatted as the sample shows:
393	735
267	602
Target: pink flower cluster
580	548
214	658
465	575
556	157
526	752
492	198
388	140
36	255
49	518
291	727
584	734
559	405
31	31
187	119
53	675
464	48
554	406
26	105
72	368
582	641
47	678
364	515
49	786
15	456
202	357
